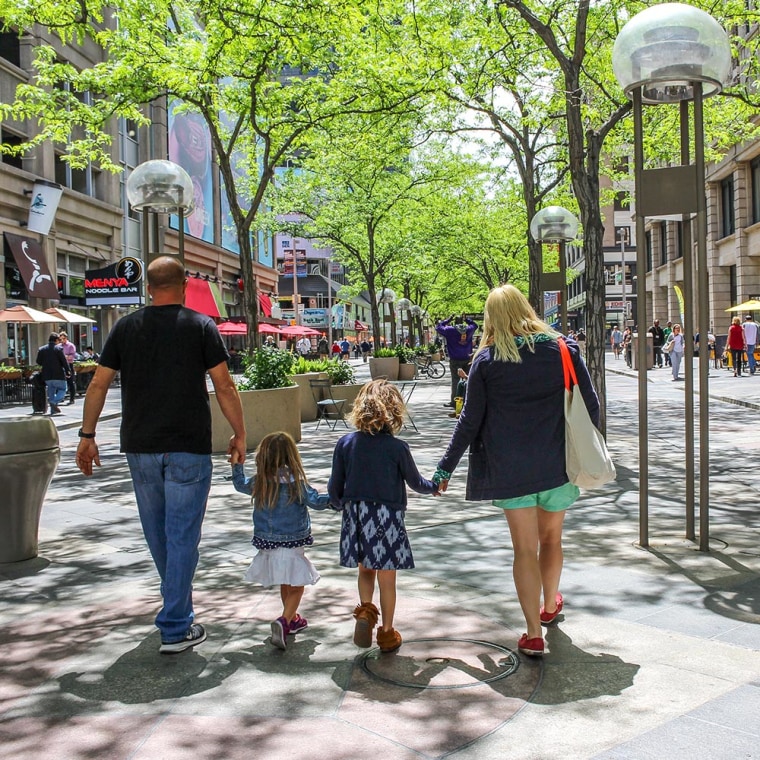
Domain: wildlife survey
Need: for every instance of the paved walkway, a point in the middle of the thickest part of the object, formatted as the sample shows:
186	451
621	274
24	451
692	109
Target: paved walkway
657	654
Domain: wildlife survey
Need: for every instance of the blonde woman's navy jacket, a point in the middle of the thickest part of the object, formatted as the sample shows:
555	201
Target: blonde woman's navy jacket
513	422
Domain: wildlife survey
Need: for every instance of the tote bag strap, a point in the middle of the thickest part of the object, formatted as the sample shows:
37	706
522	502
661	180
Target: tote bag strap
567	364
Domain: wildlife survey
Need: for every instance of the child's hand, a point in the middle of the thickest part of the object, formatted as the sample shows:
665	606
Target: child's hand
234	457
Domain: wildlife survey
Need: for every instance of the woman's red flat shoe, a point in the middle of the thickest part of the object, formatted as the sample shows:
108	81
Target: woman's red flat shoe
531	647
549	617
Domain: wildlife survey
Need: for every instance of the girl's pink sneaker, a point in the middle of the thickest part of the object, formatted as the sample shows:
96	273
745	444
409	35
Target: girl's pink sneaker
297	624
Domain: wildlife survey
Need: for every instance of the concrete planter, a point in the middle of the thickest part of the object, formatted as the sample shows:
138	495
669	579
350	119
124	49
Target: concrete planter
384	366
308	404
264	411
348	393
407	371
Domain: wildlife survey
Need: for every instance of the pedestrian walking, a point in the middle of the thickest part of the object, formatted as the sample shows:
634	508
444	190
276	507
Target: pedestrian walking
736	345
369	469
675	348
616	341
750	328
658	341
163	352
54	370
70	352
514	426
281	527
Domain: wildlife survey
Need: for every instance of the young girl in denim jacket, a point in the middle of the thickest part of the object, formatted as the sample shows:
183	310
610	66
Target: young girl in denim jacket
369	470
281	527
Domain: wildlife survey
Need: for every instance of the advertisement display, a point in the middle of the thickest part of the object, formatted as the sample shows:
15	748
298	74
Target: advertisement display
316	318
43	205
119	284
286	268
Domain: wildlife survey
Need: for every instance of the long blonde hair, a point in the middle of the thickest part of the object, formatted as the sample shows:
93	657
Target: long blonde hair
508	315
277	458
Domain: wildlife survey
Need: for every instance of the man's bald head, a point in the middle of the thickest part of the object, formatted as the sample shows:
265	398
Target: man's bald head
166	281
165	272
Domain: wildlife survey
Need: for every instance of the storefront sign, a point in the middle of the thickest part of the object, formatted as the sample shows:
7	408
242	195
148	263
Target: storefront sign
42	207
117	284
31	262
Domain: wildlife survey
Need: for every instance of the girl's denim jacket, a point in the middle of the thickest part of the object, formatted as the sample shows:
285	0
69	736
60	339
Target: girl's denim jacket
287	521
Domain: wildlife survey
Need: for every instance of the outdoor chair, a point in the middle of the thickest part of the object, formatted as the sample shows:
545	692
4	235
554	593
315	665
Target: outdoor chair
328	408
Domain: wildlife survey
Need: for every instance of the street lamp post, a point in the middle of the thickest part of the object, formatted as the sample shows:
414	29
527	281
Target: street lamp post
386	296
403	305
160	187
623	232
555	224
673	53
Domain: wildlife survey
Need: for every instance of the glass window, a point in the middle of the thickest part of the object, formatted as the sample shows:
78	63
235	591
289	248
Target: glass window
649	250
679	240
9	138
663	243
10	49
755	171
622	201
728	223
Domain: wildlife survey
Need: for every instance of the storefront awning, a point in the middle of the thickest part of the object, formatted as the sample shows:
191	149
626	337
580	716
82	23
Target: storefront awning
33	267
265	302
204	296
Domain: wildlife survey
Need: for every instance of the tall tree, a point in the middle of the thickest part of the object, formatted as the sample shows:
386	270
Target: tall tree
262	76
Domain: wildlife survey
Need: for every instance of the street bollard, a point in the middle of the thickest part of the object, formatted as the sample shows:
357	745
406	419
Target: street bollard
29	455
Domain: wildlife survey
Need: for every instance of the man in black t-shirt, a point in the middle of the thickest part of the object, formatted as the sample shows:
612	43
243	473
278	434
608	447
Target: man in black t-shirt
163	353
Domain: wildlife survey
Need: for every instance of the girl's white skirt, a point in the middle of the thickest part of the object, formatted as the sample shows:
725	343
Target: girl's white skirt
273	567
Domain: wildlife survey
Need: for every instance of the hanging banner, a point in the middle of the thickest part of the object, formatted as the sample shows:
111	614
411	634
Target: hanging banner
32	265
118	284
45	199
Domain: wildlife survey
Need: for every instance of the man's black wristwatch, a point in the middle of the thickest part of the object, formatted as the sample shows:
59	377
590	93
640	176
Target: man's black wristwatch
82	434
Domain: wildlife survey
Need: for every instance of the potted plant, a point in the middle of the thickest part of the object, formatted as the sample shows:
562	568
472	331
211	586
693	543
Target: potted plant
344	385
407	369
270	399
384	363
303	371
85	366
435	351
8	372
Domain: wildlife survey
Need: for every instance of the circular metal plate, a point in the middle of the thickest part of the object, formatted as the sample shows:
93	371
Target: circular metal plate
441	663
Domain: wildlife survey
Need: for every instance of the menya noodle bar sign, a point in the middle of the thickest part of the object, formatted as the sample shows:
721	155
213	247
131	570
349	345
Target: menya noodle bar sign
117	284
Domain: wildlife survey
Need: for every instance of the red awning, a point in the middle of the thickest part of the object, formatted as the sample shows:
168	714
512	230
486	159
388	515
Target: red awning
265	302
199	297
359	326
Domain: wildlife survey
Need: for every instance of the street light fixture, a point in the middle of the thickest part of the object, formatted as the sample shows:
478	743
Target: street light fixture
555	224
161	187
674	53
386	296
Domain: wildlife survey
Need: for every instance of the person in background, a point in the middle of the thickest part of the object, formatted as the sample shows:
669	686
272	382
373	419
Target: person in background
616	341
750	339
345	349
303	346
580	339
667	331
736	345
677	348
658	341
70	352
163	352
323	348
366	348
458	337
513	424
54	370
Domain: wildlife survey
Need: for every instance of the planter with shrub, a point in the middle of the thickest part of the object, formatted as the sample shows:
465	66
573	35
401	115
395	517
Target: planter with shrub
384	363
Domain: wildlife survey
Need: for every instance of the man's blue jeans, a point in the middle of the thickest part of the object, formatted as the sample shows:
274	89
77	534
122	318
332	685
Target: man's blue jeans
171	491
751	357
56	391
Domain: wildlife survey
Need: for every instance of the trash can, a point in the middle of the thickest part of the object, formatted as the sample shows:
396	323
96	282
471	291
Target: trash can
29	455
635	351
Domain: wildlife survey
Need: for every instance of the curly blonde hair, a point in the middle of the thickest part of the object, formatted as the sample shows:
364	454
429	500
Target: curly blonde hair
378	408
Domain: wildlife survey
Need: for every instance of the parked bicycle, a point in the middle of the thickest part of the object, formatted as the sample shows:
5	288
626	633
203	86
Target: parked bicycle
426	367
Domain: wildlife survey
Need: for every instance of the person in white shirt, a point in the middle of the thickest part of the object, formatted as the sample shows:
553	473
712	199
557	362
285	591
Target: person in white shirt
303	346
750	328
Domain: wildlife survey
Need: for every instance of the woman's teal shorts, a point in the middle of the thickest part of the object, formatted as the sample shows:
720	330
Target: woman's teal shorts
554	500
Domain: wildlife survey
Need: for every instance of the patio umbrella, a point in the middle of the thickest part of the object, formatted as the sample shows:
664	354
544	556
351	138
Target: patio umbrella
233	328
264	328
752	305
69	316
292	330
26	315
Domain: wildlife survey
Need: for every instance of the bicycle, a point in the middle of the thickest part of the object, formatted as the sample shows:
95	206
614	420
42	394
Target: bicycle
428	368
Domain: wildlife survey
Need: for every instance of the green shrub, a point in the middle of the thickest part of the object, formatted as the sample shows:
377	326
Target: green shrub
405	355
383	353
302	365
340	372
267	368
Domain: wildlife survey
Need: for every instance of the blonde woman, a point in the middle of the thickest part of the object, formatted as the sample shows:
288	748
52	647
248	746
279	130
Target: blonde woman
513	423
369	472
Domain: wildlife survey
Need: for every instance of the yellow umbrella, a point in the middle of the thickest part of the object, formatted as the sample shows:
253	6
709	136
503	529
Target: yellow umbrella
752	305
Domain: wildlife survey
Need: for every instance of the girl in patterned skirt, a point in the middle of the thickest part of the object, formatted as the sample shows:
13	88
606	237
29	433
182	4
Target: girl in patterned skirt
369	470
281	527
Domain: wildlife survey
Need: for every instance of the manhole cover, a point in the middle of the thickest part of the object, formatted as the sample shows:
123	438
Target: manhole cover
441	664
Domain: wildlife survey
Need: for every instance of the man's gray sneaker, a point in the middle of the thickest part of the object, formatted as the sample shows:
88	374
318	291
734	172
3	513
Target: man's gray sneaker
196	634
